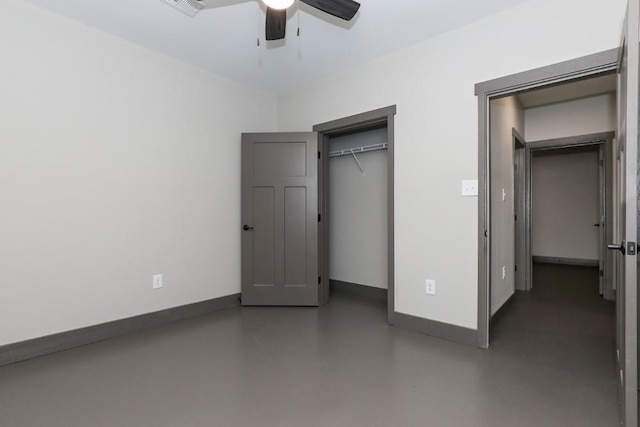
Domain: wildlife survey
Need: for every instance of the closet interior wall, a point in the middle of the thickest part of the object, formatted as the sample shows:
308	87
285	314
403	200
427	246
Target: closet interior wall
358	209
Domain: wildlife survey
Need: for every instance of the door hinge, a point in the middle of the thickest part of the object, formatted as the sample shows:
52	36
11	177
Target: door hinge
319	155
601	273
631	248
319	280
516	268
319	217
516	215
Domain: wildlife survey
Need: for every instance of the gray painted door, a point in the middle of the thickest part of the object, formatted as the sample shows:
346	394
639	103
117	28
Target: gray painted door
519	153
626	292
280	219
601	220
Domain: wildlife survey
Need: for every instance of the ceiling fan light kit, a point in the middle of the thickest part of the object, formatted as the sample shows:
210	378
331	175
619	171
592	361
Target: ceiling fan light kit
276	25
278	4
276	20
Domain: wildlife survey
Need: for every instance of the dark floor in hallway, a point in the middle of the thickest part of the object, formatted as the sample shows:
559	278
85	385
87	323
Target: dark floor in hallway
551	364
566	330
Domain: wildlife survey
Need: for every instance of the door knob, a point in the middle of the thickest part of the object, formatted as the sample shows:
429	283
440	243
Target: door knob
596	225
246	227
617	247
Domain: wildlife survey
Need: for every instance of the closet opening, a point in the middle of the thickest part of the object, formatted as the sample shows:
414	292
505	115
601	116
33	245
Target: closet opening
356	232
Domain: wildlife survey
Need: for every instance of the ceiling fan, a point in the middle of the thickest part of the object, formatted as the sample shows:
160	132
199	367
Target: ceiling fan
276	22
277	13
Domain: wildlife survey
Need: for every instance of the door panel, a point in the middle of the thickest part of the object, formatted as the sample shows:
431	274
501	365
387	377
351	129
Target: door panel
295	239
602	245
280	219
626	292
264	235
279	159
520	233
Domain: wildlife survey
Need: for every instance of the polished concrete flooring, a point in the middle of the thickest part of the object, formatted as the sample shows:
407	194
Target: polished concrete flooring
550	364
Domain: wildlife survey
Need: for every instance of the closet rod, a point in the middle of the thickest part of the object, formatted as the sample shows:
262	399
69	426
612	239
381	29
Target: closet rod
355	150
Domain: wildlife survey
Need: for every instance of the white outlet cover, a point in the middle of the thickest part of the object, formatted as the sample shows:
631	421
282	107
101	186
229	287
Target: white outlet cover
157	281
470	187
430	287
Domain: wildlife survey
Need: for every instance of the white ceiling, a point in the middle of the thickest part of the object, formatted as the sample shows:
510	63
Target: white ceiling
222	38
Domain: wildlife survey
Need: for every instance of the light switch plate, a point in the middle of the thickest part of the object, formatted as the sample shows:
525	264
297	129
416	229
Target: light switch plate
470	187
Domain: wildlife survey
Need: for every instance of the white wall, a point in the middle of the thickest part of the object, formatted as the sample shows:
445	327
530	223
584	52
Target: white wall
565	204
580	117
505	115
358	212
116	163
432	84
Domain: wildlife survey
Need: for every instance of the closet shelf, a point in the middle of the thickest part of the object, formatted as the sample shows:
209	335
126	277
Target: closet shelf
357	150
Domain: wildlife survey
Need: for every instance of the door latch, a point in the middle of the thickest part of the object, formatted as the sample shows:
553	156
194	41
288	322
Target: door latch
627	248
631	248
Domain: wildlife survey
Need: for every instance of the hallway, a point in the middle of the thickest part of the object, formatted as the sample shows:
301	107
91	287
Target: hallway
565	329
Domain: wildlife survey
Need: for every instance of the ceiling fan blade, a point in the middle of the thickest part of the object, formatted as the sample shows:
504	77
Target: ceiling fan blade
276	23
343	9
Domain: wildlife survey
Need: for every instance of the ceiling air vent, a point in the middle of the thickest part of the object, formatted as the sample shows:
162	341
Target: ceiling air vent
188	7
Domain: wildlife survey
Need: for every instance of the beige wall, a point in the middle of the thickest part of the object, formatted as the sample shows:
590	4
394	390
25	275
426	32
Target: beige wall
358	212
505	115
580	117
565	204
432	84
565	183
116	163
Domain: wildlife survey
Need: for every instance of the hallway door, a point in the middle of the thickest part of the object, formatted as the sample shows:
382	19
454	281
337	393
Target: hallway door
626	289
280	219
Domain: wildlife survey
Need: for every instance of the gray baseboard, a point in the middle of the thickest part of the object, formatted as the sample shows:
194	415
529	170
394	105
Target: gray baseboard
29	349
377	294
502	310
566	261
444	331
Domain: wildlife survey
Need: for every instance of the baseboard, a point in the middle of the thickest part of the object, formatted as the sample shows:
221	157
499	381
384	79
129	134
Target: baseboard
29	349
444	331
502	310
566	261
377	294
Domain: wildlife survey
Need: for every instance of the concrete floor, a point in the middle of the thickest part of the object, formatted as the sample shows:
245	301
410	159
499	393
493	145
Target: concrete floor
551	364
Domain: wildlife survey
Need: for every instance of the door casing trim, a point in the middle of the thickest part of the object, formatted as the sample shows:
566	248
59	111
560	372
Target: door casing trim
325	130
580	68
604	142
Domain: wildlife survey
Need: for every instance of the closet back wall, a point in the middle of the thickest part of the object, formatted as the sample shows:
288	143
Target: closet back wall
358	211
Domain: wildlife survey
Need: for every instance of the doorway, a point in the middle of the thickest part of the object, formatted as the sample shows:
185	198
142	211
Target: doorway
344	138
569	207
570	72
357	205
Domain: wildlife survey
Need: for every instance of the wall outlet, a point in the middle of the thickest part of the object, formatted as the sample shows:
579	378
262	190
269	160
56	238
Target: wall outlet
157	281
504	272
430	287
